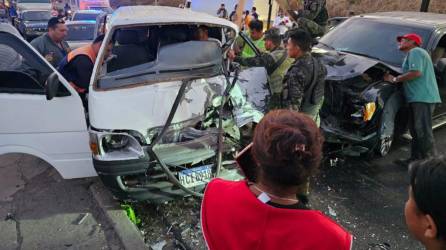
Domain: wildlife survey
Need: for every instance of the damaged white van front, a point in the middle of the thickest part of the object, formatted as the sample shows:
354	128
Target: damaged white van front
164	110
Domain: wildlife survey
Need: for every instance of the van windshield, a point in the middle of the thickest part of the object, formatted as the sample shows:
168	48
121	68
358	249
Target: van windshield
161	53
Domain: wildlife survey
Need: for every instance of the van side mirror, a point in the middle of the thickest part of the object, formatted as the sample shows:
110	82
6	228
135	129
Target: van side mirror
52	86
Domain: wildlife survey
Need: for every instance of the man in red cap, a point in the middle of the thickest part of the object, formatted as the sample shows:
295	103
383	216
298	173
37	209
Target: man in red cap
421	92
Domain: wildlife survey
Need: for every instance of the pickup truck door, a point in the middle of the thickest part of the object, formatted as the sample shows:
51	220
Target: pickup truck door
55	130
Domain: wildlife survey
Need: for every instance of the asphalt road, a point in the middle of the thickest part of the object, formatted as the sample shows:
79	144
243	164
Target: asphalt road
367	197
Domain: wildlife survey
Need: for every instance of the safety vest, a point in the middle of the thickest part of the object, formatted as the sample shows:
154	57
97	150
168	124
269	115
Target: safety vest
86	50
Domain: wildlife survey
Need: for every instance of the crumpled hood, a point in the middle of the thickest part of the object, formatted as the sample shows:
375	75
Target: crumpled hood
341	66
145	107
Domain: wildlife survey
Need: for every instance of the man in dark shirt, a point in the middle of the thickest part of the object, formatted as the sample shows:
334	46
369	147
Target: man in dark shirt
304	83
51	45
77	66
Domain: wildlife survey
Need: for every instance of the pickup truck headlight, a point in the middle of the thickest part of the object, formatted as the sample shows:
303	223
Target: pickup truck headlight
368	111
115	146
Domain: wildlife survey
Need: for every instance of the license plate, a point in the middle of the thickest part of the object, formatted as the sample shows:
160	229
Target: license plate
195	176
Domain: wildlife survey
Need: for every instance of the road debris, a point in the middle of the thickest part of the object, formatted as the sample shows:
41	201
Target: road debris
159	245
331	211
82	218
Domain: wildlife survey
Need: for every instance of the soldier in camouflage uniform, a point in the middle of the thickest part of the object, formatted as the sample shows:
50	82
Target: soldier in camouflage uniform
304	83
276	62
313	17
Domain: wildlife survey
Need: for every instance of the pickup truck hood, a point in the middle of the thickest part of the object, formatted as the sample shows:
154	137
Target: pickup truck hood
145	107
33	6
341	66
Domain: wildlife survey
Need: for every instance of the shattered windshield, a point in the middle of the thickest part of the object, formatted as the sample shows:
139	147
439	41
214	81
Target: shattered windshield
372	38
144	55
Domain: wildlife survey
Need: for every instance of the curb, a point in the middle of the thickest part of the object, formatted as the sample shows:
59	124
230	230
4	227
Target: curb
127	232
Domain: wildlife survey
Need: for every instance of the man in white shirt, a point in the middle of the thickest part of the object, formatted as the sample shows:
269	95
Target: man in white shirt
283	23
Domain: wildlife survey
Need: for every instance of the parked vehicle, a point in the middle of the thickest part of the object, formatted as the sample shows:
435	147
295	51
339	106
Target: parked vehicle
81	33
160	120
22	5
87	15
103	5
32	23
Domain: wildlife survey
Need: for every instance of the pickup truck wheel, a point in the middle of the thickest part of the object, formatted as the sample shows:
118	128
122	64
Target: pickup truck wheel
384	145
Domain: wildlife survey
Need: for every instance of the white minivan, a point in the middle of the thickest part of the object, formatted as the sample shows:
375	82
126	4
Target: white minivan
165	114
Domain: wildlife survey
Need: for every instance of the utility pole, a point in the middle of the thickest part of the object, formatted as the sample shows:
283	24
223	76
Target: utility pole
270	9
425	5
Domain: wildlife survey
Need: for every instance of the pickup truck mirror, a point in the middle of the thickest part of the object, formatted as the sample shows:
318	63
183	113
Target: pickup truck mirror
52	86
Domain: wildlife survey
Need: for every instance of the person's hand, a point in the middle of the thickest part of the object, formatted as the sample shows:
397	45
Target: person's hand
231	55
388	77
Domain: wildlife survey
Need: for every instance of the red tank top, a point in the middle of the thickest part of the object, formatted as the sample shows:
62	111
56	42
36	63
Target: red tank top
233	218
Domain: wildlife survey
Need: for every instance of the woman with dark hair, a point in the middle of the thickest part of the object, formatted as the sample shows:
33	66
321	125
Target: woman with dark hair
265	211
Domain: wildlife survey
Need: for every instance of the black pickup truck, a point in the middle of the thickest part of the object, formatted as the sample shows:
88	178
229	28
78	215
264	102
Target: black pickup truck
362	112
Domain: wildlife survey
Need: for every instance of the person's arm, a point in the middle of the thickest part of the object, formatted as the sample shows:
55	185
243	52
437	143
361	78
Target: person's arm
264	60
415	62
315	9
84	69
295	82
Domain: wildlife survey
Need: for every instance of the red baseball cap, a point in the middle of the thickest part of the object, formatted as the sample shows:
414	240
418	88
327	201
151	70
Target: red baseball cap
413	37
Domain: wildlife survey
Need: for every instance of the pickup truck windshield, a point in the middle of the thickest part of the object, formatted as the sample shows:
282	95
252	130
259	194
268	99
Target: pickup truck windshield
371	37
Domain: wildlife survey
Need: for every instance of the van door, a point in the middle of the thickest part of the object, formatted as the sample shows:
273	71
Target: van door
55	130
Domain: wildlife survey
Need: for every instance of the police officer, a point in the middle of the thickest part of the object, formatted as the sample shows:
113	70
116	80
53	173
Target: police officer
77	66
303	84
51	45
313	17
276	62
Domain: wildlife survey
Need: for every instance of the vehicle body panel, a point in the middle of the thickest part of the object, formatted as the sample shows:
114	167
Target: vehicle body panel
55	130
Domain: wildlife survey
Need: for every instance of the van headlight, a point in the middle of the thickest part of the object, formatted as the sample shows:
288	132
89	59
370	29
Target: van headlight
115	146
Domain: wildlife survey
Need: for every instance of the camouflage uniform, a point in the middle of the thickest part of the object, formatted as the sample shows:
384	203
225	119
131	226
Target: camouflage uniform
275	76
296	94
314	17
